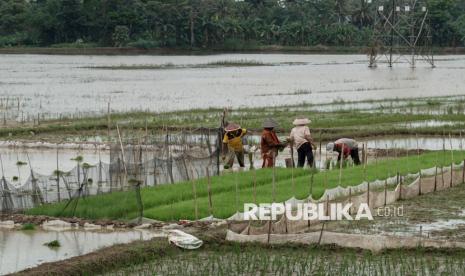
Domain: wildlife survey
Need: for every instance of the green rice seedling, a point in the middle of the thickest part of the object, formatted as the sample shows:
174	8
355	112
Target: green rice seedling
53	244
28	227
167	202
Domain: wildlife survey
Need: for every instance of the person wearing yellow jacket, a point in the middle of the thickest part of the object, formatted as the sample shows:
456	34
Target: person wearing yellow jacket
233	139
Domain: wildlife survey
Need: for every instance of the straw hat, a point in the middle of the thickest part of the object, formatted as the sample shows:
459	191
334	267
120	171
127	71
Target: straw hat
301	121
232	127
330	146
269	123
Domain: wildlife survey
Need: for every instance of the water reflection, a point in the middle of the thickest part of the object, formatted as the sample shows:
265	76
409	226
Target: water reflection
24	249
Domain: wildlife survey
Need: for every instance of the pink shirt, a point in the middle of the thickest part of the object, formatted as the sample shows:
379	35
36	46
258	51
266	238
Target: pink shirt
300	135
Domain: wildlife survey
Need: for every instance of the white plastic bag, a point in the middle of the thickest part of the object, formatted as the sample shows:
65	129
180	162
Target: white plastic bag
184	240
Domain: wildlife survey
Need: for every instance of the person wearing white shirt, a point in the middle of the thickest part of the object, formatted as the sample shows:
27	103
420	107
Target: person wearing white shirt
301	139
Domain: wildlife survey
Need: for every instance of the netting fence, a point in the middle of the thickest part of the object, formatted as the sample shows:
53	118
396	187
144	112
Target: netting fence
147	160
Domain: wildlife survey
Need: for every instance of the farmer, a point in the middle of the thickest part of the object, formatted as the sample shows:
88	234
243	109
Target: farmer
345	147
233	140
270	144
301	139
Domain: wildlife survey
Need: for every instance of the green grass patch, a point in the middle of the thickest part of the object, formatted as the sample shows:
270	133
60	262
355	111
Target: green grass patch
53	244
28	227
173	202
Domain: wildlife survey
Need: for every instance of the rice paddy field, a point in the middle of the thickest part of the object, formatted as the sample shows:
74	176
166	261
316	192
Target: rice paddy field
229	192
293	260
54	109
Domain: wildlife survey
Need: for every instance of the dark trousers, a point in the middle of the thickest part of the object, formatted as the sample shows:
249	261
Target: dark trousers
353	154
305	152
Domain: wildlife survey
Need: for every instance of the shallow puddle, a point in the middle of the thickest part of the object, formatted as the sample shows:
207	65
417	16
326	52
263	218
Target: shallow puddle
24	249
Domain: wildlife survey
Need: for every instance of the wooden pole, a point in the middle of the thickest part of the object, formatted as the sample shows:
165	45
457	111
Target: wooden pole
274	177
463	172
292	172
419	184
209	187
236	182
108	120
368	194
451	148
122	151
58	179
269	231
399	182
321	157
341	160
194	192
312	173
254	186
385	192
321	233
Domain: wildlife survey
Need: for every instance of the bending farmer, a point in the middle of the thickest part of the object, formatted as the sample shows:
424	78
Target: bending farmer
301	139
233	139
345	147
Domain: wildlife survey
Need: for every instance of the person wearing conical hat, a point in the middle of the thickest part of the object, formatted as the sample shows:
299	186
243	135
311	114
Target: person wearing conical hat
270	144
345	147
233	137
301	139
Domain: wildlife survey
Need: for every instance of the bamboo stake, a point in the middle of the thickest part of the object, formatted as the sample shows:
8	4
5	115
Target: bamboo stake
451	148
321	233
312	173
463	172
376	161
385	192
58	179
274	177
194	192
399	183
237	191
350	198
292	173
341	160
209	187
108	120
254	186
122	150
320	149
269	231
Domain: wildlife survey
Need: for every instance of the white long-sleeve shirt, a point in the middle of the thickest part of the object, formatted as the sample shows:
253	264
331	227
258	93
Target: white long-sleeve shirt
300	135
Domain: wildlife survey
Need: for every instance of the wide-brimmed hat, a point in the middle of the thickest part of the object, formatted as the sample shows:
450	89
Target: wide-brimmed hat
269	123
301	121
232	127
330	146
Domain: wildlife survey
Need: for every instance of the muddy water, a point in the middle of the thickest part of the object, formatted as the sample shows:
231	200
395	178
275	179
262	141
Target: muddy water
44	161
425	143
65	85
24	249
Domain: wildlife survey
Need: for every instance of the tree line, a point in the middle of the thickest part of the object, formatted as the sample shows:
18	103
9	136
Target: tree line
208	23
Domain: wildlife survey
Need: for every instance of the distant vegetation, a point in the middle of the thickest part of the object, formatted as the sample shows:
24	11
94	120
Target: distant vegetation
224	24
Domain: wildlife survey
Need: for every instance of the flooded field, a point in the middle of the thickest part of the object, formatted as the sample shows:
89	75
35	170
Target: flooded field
15	253
57	85
17	162
43	157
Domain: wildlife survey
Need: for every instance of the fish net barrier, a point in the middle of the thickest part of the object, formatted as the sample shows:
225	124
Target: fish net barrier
375	194
150	161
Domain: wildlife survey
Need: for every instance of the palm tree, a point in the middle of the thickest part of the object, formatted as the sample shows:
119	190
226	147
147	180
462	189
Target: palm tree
361	17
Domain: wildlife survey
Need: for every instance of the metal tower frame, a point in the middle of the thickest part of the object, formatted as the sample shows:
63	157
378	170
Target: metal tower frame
402	33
